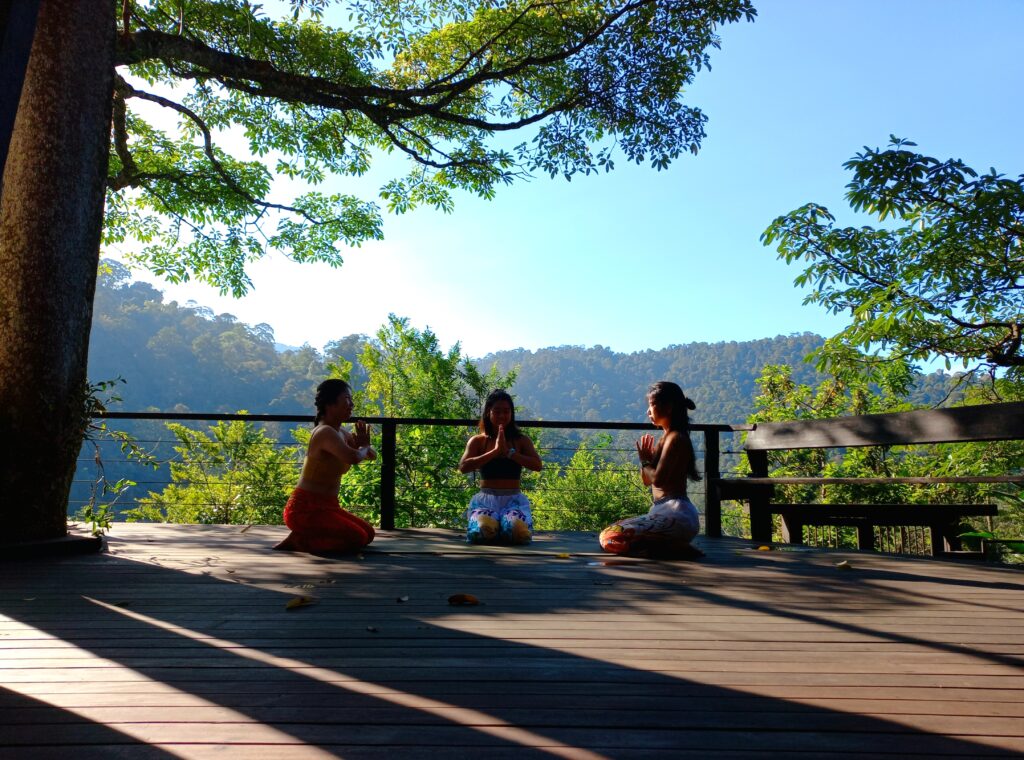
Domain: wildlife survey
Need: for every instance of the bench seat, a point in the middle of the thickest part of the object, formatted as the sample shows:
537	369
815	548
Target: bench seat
943	520
984	422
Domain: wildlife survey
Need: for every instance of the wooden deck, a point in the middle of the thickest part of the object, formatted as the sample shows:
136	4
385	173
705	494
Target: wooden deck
177	642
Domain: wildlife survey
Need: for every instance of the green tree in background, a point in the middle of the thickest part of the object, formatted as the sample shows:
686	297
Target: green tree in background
435	81
944	280
588	493
234	474
410	375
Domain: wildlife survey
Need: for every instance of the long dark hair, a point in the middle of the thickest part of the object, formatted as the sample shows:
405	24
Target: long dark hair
666	393
326	394
511	430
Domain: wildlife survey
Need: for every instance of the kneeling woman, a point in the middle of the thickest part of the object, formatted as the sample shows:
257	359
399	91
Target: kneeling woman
317	521
672	521
499	511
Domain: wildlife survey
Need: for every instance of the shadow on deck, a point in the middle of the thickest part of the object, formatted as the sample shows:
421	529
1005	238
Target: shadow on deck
176	642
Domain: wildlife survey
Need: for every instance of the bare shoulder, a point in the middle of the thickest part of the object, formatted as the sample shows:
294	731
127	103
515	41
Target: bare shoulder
323	434
672	440
476	444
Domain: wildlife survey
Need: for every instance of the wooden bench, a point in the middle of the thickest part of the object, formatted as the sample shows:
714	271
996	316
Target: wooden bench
989	422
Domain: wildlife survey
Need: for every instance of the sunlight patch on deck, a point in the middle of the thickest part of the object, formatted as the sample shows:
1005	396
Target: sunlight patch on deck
469	718
143	731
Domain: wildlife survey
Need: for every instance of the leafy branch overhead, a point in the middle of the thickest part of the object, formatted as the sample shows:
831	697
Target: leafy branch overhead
943	279
435	81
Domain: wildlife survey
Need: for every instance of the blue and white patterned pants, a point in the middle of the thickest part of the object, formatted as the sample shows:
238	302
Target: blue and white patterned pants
499	515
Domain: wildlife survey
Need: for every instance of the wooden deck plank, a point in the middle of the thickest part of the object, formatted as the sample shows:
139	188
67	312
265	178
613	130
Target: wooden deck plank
176	643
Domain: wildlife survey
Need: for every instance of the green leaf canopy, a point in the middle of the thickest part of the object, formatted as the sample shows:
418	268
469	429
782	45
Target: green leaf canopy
438	81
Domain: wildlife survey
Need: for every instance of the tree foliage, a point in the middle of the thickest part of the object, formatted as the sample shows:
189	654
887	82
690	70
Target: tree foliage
943	279
436	81
589	492
233	474
410	375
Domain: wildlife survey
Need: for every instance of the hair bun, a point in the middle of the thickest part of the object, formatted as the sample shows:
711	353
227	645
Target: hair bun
689	403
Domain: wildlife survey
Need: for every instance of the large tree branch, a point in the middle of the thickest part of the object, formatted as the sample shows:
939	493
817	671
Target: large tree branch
385	105
130	92
119	128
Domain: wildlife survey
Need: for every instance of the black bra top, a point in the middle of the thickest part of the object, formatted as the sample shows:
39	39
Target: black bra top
501	468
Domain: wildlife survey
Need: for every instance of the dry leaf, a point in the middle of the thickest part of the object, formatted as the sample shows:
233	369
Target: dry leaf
299	601
402	599
463	600
564	555
371	628
844	565
243	530
764	548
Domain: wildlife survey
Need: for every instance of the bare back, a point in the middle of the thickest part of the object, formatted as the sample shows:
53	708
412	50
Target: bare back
673	463
323	467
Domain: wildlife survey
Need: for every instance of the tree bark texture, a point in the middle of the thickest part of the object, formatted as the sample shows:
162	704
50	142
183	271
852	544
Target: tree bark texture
51	214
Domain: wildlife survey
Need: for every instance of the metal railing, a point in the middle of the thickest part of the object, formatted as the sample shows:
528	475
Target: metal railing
710	438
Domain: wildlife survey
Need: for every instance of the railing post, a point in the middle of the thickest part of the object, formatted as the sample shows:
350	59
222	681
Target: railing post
760	498
712	498
387	474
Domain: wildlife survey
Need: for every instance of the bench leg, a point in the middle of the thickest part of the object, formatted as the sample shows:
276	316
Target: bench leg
760	524
792	530
866	537
938	531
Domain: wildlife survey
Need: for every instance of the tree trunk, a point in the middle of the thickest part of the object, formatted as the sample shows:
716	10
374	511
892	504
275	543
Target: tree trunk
51	214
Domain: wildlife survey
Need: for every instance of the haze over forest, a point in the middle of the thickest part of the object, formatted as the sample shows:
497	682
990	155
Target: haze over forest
186	358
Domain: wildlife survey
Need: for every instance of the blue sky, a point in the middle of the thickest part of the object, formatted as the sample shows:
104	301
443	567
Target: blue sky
640	259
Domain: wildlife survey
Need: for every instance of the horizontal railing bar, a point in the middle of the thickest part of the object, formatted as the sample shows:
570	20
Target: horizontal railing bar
218	417
781	480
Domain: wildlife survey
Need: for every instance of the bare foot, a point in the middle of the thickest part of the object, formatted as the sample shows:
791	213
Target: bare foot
288	545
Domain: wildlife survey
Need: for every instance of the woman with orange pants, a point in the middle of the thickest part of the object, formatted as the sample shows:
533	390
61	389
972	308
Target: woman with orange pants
318	523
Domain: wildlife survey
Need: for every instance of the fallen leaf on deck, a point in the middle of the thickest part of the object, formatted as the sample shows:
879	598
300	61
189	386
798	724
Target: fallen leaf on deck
371	628
243	530
28	599
602	583
230	571
844	565
299	601
402	599
564	555
764	548
463	600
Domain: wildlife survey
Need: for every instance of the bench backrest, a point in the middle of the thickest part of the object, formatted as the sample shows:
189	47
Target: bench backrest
985	422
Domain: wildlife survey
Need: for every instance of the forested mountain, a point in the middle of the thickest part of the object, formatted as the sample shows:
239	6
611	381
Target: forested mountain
184	358
577	383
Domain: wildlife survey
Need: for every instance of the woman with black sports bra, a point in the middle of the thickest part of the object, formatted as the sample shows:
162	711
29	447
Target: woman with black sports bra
499	511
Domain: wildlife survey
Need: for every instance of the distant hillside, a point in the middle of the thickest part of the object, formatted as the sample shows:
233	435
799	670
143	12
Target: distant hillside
186	358
577	383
